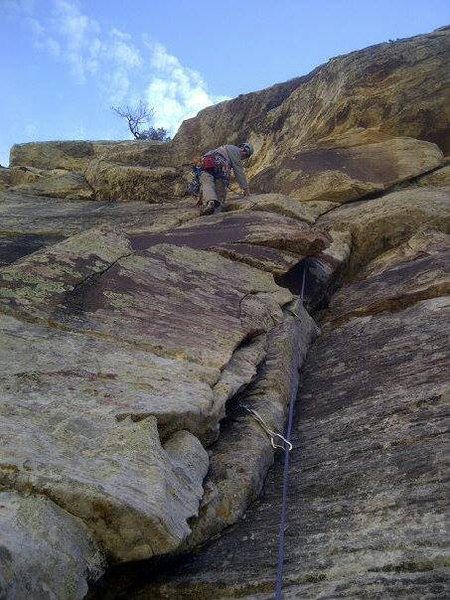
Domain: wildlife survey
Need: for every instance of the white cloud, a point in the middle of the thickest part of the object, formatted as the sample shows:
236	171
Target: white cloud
175	92
76	39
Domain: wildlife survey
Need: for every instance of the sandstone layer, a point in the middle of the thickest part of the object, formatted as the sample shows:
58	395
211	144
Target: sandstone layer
136	335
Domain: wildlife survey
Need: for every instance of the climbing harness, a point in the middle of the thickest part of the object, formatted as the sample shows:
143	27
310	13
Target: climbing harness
218	165
273	435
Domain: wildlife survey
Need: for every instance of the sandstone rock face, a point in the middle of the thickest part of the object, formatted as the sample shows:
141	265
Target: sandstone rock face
136	335
439	178
381	91
342	175
352	127
283	205
105	316
367	500
55	183
5	178
42	561
71	155
380	224
28	223
118	182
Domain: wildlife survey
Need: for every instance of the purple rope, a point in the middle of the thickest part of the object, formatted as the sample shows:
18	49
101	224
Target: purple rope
281	535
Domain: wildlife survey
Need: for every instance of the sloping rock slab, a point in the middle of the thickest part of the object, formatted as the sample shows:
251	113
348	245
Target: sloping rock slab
283	205
79	424
416	270
383	223
266	240
92	282
44	552
85	371
439	178
367	496
28	223
344	174
14	245
64	185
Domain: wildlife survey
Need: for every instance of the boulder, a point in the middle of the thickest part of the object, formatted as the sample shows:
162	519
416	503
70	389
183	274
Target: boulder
345	174
116	182
386	222
44	551
56	183
438	178
74	155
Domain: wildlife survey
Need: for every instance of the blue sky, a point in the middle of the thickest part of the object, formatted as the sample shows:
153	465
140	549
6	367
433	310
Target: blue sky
63	63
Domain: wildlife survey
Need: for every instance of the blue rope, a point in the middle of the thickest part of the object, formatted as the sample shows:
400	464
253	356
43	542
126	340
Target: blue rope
281	535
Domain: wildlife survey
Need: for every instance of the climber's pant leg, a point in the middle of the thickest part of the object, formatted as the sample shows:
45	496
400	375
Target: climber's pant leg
221	191
208	187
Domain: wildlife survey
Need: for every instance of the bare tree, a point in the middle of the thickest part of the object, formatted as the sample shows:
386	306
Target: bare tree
138	117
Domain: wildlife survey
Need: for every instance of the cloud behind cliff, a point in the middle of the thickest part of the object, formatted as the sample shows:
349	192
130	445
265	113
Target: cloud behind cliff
176	92
126	69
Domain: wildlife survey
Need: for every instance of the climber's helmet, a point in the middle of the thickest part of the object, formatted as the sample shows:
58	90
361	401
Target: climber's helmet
247	148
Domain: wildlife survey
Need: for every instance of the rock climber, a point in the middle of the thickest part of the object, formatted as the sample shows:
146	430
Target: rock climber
215	171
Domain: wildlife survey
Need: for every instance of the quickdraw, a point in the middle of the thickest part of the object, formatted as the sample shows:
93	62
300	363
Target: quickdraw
274	436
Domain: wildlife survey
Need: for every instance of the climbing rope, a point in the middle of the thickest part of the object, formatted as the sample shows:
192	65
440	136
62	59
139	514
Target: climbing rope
281	442
282	531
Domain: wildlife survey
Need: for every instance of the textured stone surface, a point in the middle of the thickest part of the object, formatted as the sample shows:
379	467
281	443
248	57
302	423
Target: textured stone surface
416	270
5	178
268	241
113	182
439	178
242	455
57	183
71	155
93	283
102	458
283	205
44	552
387	90
385	222
128	349
28	223
342	175
367	501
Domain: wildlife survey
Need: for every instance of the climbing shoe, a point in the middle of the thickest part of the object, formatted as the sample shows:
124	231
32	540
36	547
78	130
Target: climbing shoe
208	208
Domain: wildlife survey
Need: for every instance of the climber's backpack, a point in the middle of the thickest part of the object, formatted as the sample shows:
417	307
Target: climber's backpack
215	163
209	162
